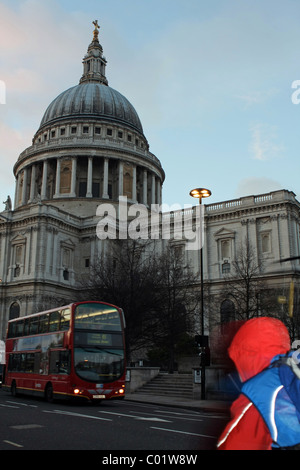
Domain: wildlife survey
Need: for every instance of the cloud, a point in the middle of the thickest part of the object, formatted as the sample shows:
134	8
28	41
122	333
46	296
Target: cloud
256	185
264	144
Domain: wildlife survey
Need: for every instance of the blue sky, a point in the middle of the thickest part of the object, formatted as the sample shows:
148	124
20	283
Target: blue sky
211	81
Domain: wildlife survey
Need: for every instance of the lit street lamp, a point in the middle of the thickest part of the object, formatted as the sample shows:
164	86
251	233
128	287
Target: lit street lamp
200	193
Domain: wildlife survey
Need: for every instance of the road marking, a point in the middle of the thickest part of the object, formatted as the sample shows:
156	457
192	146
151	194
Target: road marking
8	406
184	432
185	418
13	443
69	413
21	404
176	413
144	418
26	426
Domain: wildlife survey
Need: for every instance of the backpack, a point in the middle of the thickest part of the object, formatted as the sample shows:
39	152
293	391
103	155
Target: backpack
275	392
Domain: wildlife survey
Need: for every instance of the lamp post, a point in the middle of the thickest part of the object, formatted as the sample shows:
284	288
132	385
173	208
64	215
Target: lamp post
200	193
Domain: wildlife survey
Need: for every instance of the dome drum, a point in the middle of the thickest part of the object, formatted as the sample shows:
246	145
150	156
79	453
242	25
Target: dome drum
85	178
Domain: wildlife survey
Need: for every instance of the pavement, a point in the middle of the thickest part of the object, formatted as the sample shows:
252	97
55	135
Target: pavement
166	400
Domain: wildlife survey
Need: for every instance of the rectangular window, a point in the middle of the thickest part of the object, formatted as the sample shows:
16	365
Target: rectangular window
54	321
29	363
85	130
225	268
97	130
82	188
265	242
34	325
44	323
19	328
225	249
19	254
59	362
65	316
96	189
26	326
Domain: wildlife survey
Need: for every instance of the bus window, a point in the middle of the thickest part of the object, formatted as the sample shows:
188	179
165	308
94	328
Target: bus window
26	326
44	320
59	362
19	328
12	330
29	364
65	319
34	325
54	321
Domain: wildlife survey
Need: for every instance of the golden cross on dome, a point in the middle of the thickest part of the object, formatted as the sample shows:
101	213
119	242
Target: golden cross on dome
96	32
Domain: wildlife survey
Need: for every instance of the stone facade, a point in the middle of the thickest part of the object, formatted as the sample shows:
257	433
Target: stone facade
90	149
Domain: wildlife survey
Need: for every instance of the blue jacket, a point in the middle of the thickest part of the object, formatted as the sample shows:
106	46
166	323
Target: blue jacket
275	392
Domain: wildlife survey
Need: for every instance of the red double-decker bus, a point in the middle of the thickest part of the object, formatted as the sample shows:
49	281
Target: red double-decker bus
73	351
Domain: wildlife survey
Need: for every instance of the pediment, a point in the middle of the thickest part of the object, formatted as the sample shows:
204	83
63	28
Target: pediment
18	239
224	233
68	243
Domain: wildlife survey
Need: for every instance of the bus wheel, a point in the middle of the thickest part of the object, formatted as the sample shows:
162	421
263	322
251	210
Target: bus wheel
49	393
13	389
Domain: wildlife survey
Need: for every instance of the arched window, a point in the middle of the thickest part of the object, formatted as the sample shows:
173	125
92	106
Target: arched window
14	311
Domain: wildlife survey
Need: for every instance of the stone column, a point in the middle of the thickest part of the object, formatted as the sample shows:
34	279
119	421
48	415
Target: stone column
158	191
57	180
17	183
32	183
44	180
134	184
121	176
73	178
153	190
24	189
90	178
105	180
145	184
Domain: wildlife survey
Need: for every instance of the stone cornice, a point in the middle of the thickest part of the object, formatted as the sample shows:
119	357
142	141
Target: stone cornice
93	148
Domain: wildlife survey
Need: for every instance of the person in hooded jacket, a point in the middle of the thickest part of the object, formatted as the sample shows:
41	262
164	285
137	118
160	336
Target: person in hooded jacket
255	422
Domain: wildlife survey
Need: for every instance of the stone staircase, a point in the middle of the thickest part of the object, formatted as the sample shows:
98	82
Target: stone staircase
173	385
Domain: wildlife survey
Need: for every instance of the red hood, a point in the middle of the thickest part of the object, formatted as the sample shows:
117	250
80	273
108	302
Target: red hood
256	343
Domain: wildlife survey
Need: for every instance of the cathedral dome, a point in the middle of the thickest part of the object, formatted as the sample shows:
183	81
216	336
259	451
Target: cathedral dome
92	100
90	146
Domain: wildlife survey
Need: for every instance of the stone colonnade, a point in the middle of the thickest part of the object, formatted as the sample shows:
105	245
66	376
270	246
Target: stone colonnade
87	177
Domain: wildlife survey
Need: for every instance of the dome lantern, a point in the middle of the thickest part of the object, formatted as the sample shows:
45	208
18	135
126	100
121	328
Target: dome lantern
93	62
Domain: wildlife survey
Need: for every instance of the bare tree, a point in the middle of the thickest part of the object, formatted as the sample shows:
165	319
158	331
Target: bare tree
177	301
126	276
244	285
156	291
